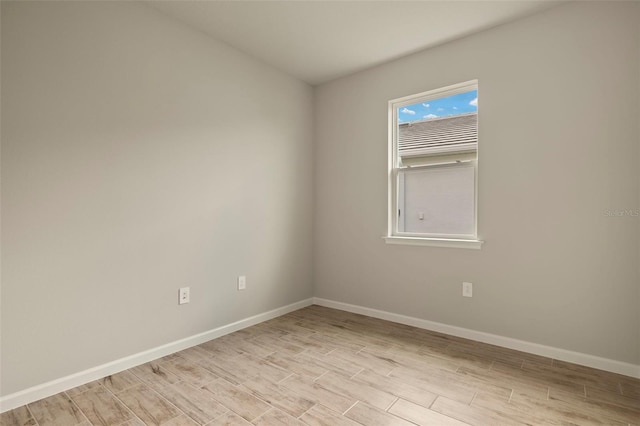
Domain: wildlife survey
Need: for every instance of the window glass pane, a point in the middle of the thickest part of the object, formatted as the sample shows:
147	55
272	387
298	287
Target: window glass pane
460	103
439	130
433	163
437	200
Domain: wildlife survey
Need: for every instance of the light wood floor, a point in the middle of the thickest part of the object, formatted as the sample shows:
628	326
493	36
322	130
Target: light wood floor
320	366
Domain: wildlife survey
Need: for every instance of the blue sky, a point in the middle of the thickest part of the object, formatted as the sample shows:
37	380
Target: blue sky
441	107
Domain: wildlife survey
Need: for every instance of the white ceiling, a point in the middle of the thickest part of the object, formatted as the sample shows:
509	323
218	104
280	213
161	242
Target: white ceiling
317	41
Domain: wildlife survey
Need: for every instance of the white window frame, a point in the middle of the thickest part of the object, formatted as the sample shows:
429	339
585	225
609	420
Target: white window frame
438	240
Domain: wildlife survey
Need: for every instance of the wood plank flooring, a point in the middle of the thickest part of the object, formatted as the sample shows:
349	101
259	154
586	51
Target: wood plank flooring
324	367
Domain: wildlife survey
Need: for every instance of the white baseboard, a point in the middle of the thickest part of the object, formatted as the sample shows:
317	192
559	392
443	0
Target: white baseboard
62	384
611	365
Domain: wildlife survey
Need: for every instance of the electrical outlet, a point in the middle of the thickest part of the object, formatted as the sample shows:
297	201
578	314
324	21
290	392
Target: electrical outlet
183	295
467	289
242	282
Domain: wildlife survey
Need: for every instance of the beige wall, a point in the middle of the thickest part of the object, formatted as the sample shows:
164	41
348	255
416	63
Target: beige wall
559	146
139	156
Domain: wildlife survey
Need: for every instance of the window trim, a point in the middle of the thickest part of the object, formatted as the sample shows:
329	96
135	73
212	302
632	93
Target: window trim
434	242
437	240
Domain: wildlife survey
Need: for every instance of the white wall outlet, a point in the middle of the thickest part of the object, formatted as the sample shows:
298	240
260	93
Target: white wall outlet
242	282
467	289
183	295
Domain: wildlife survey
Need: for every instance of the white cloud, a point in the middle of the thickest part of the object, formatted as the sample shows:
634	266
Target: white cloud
440	109
425	105
430	116
455	107
408	111
474	102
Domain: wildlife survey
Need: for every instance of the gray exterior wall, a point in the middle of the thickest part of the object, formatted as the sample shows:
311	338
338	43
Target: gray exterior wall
438	200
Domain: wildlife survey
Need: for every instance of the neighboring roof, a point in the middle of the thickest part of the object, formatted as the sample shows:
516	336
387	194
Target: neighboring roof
458	133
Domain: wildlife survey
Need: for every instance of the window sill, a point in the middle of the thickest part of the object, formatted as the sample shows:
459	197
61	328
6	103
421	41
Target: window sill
435	242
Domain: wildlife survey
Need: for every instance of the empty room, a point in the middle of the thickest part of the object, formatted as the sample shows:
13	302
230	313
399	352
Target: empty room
320	213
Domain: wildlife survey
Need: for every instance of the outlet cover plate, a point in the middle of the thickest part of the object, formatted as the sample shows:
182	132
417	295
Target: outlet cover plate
184	295
242	282
467	289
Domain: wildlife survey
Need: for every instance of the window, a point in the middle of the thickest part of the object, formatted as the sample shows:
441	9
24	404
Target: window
433	162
